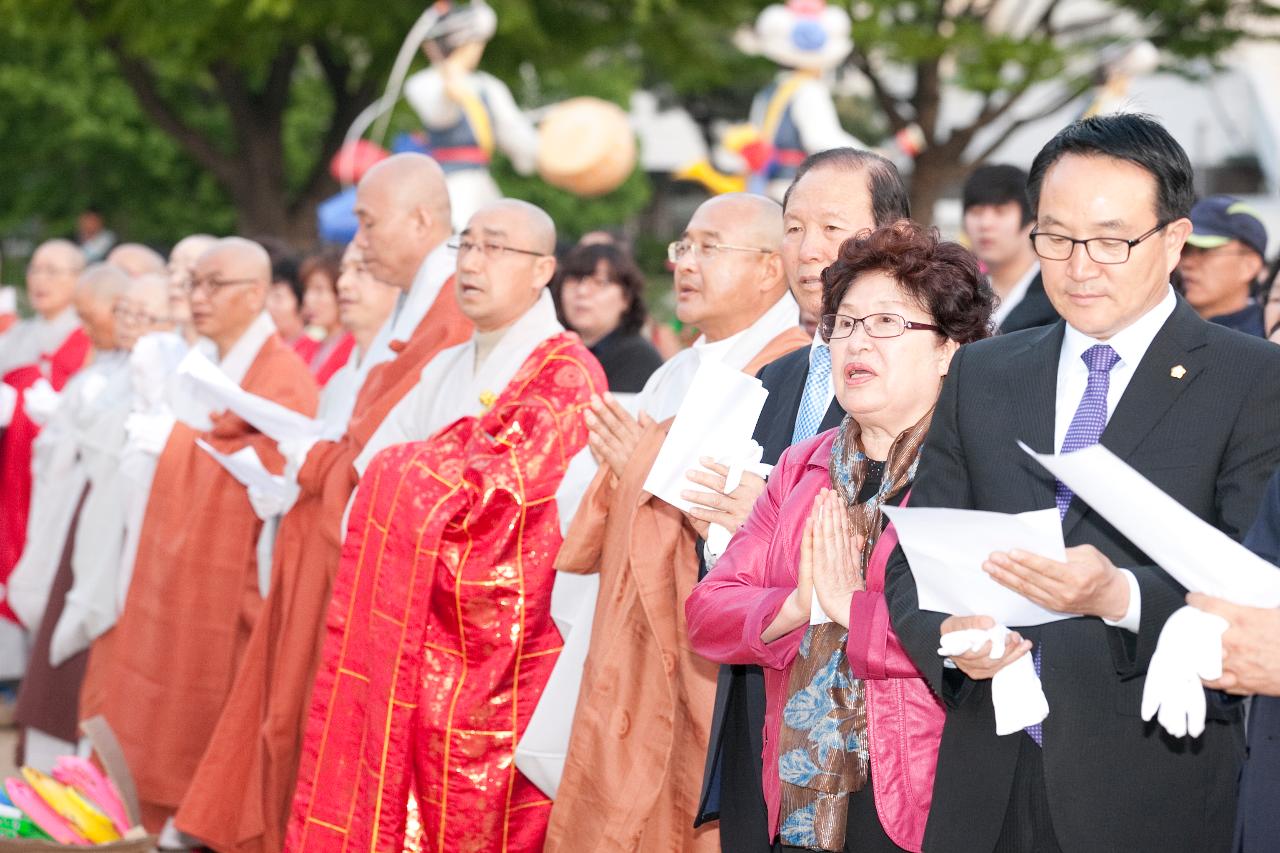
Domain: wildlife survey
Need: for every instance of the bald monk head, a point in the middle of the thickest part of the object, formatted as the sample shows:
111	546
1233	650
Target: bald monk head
51	276
403	208
728	268
97	291
182	258
229	290
136	259
506	256
364	302
143	309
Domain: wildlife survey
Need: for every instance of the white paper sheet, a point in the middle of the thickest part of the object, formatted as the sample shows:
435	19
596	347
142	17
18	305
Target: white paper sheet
248	469
1196	554
268	417
947	547
719	411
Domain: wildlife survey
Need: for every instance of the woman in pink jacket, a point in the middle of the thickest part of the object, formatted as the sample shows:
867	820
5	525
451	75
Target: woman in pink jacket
851	729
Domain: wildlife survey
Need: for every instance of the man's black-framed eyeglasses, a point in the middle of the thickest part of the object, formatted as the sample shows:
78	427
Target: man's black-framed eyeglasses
1102	250
881	325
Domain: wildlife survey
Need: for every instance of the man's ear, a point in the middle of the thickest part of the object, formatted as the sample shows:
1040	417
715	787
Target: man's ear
772	271
544	268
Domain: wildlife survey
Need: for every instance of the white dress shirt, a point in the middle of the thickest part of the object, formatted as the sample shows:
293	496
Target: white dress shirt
1131	344
1015	295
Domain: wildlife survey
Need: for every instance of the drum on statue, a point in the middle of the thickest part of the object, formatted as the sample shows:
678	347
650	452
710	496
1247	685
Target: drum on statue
586	146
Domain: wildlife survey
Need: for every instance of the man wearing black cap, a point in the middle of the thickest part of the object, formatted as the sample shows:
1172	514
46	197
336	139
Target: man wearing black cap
1221	263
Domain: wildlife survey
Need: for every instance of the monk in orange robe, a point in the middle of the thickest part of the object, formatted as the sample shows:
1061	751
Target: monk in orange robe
634	765
239	800
440	637
162	674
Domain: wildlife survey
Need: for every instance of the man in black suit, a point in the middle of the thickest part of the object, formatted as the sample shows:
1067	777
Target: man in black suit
835	195
1251	667
1193	407
997	221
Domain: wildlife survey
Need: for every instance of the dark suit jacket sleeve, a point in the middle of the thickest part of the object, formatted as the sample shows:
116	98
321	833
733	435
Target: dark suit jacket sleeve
1264	536
1252	455
941	481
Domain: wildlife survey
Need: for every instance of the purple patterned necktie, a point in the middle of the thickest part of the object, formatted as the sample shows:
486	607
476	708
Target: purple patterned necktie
1085	430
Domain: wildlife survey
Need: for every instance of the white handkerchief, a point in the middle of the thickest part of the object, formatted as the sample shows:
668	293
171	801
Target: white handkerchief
1189	649
742	459
1016	692
719	411
947	547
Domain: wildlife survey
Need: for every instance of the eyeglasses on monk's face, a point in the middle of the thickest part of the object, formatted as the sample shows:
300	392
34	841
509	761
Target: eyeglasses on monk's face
880	325
212	283
706	250
490	250
1101	250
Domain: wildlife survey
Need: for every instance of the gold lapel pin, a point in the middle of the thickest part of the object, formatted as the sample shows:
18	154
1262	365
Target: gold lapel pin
1178	371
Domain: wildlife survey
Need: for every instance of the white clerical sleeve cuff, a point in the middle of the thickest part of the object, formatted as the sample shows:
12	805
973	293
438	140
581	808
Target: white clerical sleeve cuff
1132	618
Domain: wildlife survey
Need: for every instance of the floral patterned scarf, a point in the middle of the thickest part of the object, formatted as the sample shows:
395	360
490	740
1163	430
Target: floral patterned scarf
822	746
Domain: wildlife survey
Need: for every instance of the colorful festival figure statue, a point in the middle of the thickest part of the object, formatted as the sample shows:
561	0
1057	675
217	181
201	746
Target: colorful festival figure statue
583	145
794	116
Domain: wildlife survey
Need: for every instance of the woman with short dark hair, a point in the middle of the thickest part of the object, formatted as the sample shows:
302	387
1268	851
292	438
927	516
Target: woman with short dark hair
600	292
319	274
851	729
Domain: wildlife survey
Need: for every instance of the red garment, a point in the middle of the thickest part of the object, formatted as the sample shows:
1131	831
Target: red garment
729	610
305	346
324	366
440	636
15	451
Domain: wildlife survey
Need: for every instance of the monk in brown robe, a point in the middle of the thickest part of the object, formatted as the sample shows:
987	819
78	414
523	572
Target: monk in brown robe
634	765
239	800
162	674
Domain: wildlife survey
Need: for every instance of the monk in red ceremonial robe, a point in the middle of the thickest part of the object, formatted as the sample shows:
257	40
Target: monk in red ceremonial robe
239	800
162	674
46	350
440	637
49	348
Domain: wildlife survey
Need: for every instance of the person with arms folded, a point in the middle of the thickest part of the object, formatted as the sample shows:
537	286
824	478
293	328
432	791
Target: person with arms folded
1192	407
851	729
439	637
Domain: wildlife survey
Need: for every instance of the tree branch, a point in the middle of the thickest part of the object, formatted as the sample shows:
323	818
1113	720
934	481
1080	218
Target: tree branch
143	83
275	94
346	106
884	98
1071	94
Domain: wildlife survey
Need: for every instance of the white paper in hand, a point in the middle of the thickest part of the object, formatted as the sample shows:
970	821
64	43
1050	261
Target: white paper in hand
947	547
267	416
719	411
248	470
1196	554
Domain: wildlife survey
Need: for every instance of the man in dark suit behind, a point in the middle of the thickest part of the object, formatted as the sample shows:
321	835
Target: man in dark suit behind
835	195
997	221
1251	667
1192	406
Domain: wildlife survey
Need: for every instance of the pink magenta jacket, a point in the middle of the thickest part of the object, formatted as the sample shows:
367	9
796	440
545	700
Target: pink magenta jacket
736	601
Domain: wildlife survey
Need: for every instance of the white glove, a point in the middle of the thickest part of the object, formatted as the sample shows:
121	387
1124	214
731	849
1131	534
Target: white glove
294	451
40	401
1016	692
1189	650
269	506
149	433
8	402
